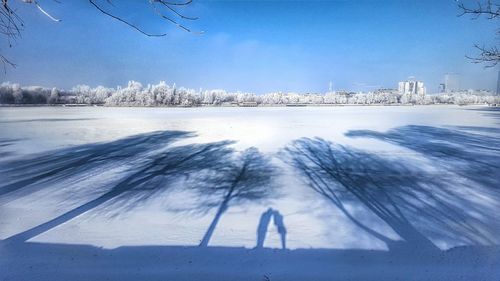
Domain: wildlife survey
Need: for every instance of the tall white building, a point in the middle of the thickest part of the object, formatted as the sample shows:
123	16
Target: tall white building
498	83
451	82
411	87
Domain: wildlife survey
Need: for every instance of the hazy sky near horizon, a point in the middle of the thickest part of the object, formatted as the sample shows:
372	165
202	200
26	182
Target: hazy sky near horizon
253	46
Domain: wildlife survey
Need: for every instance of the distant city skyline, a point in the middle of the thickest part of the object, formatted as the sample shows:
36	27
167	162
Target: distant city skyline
256	46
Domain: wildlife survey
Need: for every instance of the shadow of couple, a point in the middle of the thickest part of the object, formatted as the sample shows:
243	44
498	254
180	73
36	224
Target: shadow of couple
263	226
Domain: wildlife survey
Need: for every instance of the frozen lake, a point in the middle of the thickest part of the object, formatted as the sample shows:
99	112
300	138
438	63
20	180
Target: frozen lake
269	128
427	175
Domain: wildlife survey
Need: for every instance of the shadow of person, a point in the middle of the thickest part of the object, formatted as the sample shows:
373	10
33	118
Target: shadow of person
264	221
278	222
242	177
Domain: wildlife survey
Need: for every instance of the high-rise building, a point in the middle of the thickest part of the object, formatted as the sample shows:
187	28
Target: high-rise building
411	86
498	83
451	82
442	88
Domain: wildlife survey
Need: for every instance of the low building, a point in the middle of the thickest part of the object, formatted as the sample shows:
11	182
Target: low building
248	104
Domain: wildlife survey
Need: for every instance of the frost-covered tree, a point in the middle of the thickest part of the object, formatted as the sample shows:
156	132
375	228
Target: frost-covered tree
54	96
162	94
17	93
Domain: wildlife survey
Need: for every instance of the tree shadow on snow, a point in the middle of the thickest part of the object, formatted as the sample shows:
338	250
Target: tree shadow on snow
469	152
5	143
491	112
245	176
219	175
82	161
419	206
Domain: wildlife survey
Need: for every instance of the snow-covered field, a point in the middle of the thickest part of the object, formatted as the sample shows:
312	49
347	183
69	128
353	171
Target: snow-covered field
357	193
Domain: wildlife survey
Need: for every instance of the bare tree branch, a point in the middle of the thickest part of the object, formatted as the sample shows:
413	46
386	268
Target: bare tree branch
10	27
172	3
11	24
158	12
168	5
4	61
490	56
124	21
488	9
45	13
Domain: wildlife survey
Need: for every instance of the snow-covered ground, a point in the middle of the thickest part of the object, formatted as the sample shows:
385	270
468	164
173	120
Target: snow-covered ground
365	193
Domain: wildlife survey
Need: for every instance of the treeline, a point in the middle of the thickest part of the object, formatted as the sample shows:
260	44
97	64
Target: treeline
135	94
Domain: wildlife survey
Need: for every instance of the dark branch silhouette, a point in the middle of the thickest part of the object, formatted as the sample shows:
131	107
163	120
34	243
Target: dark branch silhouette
124	21
11	24
490	56
10	28
481	8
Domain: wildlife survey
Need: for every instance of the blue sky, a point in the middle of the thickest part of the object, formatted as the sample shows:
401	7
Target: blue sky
255	46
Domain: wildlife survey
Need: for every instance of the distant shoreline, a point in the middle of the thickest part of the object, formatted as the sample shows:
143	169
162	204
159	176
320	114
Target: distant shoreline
243	106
